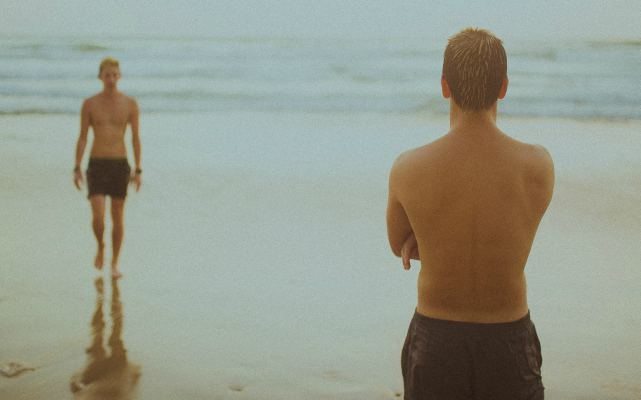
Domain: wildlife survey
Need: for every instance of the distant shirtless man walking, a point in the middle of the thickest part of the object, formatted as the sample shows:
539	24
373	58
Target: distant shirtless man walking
468	206
108	113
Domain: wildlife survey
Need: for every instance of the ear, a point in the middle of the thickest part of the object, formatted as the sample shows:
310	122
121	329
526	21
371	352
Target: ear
503	89
445	88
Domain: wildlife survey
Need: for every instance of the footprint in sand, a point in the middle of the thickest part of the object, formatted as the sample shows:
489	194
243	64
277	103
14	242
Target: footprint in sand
14	369
236	387
333	375
618	386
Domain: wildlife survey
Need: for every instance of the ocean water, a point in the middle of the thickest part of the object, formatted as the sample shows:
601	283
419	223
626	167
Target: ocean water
573	79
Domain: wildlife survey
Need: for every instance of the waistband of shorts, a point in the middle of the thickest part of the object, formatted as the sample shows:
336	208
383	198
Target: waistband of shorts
106	160
477	327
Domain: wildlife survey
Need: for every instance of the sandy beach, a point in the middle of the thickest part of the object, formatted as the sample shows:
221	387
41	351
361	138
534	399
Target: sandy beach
256	263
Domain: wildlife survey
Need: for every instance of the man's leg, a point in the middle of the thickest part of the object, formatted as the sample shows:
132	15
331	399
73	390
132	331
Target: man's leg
435	361
118	232
98	225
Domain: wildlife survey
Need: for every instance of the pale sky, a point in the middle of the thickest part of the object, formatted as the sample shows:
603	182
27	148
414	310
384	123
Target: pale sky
510	19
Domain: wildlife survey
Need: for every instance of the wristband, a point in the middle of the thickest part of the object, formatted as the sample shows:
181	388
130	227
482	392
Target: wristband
76	169
138	171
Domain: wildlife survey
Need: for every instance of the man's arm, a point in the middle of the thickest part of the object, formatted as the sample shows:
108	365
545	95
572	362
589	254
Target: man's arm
409	251
85	121
135	142
542	169
548	175
399	229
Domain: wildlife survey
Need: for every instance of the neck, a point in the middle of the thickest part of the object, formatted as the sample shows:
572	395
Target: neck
109	90
460	119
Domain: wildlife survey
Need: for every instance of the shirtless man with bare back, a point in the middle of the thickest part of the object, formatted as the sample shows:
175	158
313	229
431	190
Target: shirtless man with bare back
108	173
468	206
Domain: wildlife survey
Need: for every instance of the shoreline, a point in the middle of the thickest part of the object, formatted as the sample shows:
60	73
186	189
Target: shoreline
422	113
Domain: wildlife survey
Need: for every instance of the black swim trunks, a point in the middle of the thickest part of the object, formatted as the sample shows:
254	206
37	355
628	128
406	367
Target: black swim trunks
108	176
449	360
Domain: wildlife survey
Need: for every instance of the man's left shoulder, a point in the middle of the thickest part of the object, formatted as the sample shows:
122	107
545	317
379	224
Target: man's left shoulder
539	168
537	156
130	99
532	154
131	102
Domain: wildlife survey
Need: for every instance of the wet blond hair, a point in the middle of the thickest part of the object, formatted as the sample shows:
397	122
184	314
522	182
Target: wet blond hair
474	66
108	62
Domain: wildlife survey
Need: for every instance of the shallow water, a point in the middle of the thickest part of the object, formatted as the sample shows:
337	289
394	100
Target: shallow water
570	78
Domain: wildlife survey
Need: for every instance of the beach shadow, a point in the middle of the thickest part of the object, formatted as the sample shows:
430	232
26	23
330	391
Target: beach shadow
110	375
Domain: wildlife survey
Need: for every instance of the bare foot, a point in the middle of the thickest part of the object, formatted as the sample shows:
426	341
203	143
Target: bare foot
115	272
99	261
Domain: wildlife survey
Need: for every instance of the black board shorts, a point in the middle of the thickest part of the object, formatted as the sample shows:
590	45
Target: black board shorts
108	176
451	360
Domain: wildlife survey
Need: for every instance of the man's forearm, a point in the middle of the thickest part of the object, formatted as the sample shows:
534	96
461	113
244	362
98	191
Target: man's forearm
80	151
137	153
411	246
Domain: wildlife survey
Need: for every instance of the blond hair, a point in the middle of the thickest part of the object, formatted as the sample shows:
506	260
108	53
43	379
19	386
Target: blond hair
108	62
474	66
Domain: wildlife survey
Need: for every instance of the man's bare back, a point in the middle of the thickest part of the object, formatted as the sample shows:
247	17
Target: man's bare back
473	199
468	206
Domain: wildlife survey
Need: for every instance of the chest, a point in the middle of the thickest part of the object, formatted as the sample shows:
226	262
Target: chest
114	113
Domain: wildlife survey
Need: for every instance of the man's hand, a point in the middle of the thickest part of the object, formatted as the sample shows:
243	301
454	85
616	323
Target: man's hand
137	181
409	251
77	178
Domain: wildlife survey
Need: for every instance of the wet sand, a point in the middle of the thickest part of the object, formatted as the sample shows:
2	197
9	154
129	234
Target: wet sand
256	264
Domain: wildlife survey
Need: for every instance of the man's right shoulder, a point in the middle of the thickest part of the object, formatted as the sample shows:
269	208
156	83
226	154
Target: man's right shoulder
421	154
91	99
409	162
404	159
87	102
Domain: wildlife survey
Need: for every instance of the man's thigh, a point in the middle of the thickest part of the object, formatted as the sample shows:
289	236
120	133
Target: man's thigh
97	202
435	366
509	366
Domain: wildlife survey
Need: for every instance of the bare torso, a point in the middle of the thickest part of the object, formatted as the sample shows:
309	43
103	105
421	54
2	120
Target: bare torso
109	116
474	201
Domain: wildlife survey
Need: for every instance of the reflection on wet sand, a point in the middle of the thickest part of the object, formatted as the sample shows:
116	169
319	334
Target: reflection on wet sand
106	376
